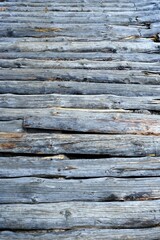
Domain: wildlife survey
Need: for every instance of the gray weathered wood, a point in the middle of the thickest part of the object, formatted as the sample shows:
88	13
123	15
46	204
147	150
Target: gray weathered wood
71	87
101	56
87	234
78	120
79	64
102	46
59	166
78	101
11	126
111	145
81	75
9	114
136	214
40	190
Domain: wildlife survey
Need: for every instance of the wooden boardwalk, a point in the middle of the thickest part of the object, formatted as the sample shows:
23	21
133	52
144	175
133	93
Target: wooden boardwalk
80	120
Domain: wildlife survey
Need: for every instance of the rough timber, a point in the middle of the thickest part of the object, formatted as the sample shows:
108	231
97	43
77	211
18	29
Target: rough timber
80	120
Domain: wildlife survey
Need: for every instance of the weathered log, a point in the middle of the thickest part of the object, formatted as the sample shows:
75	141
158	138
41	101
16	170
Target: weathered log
79	64
93	121
16	114
107	32
81	75
71	87
40	190
92	144
136	214
78	101
100	46
59	166
11	126
134	57
87	234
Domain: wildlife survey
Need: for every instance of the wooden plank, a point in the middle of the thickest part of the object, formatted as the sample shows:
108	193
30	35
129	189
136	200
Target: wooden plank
59	166
78	120
136	214
40	190
79	101
111	145
72	87
87	234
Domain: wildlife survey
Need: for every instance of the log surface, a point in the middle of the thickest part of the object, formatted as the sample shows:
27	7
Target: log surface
80	120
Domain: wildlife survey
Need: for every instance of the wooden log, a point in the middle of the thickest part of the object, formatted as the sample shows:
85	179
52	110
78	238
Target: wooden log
11	126
101	56
92	144
16	114
79	64
79	101
82	8
60	166
87	234
107	32
95	121
136	214
100	46
81	75
40	190
71	87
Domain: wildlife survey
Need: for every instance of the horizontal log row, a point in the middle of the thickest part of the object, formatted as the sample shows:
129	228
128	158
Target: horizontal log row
78	88
40	30
90	121
80	101
61	166
129	4
82	75
40	190
95	122
136	214
91	144
81	8
87	234
79	64
17	114
103	46
110	19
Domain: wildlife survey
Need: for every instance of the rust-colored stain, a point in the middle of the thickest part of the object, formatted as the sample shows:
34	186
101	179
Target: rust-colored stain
7	145
43	30
11	135
3	9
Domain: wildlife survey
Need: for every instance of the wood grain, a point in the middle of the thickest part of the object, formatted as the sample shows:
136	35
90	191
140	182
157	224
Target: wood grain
60	166
137	214
40	190
92	144
88	234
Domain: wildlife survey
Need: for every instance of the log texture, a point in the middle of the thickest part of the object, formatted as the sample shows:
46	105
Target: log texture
111	145
78	88
89	234
40	190
137	214
79	119
60	166
95	122
104	101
